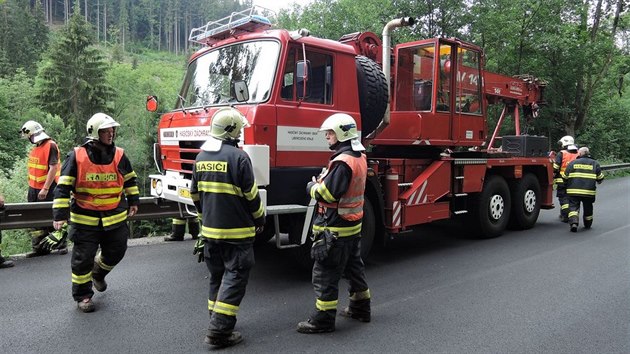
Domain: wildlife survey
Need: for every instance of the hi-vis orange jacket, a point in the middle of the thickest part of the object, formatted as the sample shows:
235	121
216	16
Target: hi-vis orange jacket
38	164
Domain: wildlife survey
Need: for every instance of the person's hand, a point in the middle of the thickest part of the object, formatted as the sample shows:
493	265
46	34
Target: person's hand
59	224
42	194
313	179
259	229
133	210
198	250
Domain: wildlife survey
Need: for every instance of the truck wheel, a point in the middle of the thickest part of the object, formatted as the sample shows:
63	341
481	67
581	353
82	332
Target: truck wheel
373	95
525	202
493	208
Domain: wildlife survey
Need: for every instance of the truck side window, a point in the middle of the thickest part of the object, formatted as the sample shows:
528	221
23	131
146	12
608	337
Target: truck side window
415	78
468	96
319	83
446	69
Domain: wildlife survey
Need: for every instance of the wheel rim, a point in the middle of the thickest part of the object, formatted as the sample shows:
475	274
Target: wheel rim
496	207
530	201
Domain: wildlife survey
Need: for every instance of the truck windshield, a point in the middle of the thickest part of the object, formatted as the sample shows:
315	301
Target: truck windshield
210	78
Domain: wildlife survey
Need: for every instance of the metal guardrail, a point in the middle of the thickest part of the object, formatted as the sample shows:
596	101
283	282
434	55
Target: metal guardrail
26	215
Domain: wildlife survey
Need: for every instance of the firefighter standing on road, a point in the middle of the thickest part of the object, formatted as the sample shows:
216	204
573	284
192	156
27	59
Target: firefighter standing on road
179	229
43	174
226	197
339	194
581	178
96	173
567	154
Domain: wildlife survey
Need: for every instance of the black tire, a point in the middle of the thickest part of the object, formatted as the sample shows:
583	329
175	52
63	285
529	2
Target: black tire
373	95
525	202
302	254
491	213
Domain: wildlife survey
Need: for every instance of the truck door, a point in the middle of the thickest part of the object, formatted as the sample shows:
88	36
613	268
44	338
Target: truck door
306	100
468	127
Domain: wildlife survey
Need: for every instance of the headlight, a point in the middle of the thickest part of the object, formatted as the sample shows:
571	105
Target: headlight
158	188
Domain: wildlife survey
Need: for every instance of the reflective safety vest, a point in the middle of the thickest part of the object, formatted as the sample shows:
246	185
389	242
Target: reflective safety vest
98	187
566	158
38	165
350	205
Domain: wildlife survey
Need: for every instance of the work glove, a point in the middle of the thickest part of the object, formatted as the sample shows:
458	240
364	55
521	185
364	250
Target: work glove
54	239
199	250
322	243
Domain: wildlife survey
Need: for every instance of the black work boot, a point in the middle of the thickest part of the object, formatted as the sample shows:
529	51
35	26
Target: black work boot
177	233
98	276
360	316
224	341
86	305
309	327
5	263
193	228
574	227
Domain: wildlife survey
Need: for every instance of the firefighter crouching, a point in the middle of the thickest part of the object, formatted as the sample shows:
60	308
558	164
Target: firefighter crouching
567	154
226	197
581	178
337	228
105	192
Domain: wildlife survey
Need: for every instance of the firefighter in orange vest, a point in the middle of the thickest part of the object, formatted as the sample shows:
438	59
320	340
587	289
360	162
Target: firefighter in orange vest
567	154
105	193
226	196
336	246
43	174
581	178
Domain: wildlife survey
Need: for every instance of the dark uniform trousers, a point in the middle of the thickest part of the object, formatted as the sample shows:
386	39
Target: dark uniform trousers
574	210
38	234
344	259
84	265
229	265
563	199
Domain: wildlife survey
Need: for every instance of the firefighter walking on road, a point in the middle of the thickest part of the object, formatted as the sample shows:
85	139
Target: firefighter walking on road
43	175
105	192
563	157
581	178
226	197
339	193
179	229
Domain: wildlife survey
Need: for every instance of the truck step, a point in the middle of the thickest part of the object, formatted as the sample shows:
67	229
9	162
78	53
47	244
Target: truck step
459	177
461	194
460	212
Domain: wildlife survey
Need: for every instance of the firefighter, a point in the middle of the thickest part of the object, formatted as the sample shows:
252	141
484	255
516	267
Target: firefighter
339	194
105	193
567	154
4	263
581	178
228	203
179	229
43	175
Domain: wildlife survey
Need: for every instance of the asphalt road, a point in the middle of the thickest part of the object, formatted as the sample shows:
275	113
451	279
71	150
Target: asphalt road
543	290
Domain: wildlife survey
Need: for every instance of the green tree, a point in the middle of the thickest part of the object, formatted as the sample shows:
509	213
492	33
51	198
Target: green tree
72	81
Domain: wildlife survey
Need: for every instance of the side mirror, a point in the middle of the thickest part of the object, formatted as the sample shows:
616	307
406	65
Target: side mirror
302	73
152	103
241	91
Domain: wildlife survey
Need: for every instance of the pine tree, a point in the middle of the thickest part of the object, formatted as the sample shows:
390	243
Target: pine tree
72	81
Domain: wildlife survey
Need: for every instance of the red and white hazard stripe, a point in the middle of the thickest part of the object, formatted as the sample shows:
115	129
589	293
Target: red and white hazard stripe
397	214
418	196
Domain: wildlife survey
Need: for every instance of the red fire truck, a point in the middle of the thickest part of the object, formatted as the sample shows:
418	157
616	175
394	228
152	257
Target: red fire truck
421	107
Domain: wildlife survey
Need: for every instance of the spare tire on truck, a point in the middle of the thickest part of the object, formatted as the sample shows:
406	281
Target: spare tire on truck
373	95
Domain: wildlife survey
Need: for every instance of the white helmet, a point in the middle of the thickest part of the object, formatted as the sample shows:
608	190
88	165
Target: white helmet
566	140
227	124
345	129
97	122
33	131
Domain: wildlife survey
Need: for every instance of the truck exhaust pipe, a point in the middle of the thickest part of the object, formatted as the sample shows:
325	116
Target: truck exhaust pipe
400	22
